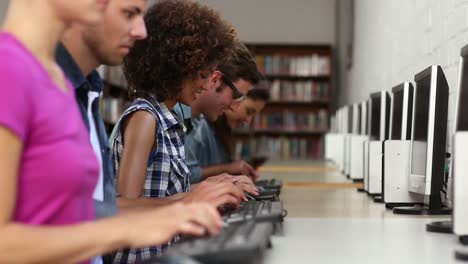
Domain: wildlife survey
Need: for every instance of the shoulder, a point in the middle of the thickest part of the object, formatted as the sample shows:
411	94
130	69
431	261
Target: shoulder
140	127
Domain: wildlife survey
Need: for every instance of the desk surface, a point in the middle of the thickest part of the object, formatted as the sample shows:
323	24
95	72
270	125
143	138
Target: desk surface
341	240
336	224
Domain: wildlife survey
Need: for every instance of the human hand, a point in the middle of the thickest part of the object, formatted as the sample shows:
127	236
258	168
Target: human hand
158	226
216	193
244	168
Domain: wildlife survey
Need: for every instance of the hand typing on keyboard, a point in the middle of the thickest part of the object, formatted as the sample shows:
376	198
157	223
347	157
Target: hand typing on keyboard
215	193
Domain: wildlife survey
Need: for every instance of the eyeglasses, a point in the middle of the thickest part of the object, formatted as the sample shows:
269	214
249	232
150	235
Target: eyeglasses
236	94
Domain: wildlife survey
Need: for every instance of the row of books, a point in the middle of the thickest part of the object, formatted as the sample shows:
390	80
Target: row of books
279	148
292	121
299	91
309	65
112	108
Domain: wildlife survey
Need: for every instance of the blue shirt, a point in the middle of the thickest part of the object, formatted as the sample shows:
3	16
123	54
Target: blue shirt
83	85
206	148
192	123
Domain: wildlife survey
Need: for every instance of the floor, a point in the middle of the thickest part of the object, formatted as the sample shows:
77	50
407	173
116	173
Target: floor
330	222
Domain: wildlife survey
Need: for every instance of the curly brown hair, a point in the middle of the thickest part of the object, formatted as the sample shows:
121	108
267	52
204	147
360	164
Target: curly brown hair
184	40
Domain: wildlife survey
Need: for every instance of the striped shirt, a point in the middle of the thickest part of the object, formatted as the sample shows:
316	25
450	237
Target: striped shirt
166	173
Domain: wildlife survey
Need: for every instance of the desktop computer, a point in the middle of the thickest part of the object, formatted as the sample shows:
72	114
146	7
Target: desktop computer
365	146
340	138
397	150
349	113
459	141
380	116
357	142
428	143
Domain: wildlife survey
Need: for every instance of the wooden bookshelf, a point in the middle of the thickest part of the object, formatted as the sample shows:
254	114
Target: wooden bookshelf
295	120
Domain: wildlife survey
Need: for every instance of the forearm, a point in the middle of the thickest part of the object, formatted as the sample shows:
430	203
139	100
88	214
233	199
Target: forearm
143	202
21	243
215	170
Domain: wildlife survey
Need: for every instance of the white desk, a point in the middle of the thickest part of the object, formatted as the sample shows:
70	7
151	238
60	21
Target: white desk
345	240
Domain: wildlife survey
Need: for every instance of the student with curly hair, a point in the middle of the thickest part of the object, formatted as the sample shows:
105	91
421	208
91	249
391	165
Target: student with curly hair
185	43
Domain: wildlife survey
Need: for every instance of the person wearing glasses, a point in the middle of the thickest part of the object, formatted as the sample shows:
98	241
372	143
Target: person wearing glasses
213	141
227	87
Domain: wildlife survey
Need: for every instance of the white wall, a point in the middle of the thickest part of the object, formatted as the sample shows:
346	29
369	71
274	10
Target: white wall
396	39
280	21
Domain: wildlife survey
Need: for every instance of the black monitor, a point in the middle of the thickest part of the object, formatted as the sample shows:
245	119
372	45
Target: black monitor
428	140
461	111
350	119
379	115
363	125
402	107
356	119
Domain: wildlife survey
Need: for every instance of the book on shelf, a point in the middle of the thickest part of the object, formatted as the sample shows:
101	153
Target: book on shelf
279	148
298	91
292	121
291	65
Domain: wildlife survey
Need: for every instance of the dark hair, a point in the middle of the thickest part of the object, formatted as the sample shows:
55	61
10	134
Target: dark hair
239	65
260	92
184	40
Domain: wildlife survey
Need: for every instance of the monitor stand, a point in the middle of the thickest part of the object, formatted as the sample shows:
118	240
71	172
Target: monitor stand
378	199
445	227
461	254
422	210
393	205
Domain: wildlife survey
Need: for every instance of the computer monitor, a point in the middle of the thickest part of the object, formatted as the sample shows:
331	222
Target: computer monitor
402	107
461	111
356	119
460	141
379	116
350	119
364	118
345	120
428	139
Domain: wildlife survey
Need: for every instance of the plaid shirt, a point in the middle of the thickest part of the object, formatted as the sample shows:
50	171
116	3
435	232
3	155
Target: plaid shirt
166	172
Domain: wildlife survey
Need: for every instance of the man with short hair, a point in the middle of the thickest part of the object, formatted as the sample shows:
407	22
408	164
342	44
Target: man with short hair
82	50
228	85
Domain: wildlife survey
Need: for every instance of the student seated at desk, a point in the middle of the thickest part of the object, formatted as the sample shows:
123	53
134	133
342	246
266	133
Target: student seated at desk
213	142
185	42
227	87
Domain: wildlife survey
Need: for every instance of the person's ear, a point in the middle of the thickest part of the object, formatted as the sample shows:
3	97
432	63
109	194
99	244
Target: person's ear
216	78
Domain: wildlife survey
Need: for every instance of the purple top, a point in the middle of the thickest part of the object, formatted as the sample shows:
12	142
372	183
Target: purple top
58	169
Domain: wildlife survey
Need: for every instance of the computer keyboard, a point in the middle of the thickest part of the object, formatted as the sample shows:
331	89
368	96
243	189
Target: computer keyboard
259	211
270	184
237	243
